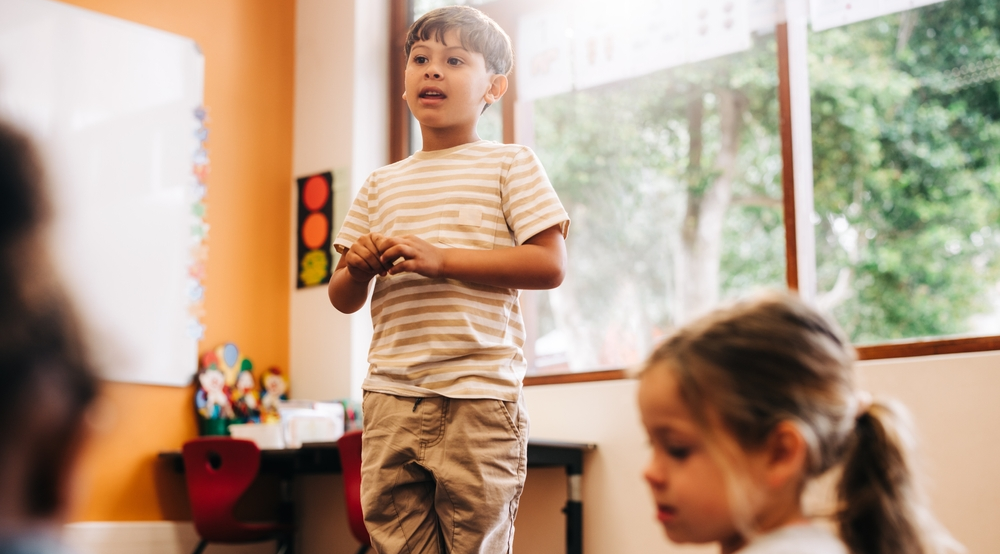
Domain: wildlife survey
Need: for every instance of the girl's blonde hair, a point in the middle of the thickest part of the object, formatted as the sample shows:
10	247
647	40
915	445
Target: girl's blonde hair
759	362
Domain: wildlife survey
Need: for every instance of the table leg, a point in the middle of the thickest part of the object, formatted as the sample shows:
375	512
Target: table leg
574	512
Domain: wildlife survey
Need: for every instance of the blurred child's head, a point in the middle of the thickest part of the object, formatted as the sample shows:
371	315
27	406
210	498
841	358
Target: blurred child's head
760	397
47	380
477	33
745	405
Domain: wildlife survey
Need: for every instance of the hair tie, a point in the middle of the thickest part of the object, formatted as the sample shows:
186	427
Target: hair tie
864	401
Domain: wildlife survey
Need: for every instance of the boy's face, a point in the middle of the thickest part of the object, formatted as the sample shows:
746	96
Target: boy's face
447	85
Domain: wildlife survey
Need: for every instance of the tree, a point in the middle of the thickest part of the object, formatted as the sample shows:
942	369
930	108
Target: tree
673	184
908	171
651	170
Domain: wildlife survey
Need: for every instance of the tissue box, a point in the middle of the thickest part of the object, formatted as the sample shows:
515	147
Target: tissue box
265	435
308	421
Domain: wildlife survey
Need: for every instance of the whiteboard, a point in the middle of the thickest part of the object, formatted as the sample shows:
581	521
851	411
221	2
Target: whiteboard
111	105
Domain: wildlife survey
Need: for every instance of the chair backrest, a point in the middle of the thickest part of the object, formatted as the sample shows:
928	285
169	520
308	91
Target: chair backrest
218	471
349	446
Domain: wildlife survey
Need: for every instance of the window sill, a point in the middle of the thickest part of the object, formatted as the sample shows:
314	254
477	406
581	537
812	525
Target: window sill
581	377
901	349
930	347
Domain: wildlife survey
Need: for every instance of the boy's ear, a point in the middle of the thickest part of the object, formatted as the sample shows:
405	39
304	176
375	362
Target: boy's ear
498	86
786	455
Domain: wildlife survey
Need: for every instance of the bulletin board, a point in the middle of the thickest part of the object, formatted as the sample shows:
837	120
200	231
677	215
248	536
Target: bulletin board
115	108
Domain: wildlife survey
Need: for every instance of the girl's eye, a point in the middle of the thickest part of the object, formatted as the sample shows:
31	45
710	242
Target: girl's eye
679	453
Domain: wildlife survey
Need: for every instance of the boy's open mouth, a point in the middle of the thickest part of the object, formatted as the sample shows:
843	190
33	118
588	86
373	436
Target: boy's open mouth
432	93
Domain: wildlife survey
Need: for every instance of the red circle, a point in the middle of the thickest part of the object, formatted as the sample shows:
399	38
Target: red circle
315	230
315	192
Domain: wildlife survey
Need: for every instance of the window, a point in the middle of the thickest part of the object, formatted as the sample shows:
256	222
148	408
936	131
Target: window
677	177
906	125
673	182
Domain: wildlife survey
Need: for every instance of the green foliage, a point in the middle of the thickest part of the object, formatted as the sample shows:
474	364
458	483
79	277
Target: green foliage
618	156
906	153
907	170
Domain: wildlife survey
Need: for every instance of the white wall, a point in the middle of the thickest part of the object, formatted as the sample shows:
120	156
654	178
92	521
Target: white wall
341	75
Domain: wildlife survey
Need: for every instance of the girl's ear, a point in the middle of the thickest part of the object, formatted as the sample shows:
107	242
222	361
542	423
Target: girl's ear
498	86
786	455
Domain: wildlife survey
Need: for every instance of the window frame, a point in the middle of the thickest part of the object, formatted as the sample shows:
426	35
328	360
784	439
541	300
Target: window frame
517	128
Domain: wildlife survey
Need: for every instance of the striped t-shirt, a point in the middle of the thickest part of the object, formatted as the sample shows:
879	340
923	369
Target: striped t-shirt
443	336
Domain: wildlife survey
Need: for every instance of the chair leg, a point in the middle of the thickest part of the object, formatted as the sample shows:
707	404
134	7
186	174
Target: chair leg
201	547
286	545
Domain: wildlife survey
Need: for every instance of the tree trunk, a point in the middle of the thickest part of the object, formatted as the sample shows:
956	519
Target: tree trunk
699	252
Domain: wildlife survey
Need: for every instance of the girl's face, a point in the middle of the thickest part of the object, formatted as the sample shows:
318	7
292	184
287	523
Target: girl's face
688	485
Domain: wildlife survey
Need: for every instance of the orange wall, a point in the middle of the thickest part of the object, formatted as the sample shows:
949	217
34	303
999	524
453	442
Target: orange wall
249	71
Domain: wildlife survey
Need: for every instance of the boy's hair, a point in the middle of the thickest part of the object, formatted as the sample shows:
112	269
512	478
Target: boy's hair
477	32
48	380
757	363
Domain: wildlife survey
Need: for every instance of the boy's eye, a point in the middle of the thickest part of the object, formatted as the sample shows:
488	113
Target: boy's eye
420	59
454	61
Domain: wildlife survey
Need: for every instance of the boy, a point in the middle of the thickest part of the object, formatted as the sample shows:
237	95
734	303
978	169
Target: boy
448	235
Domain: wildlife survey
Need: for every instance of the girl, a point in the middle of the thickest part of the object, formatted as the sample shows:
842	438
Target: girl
746	405
48	379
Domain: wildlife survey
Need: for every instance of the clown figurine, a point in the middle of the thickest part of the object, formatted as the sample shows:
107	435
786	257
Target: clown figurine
275	389
212	401
245	399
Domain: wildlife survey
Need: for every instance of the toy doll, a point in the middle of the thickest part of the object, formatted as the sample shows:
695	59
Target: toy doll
212	401
245	398
275	389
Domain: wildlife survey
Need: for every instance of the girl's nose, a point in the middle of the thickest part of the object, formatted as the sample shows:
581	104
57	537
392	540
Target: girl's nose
655	474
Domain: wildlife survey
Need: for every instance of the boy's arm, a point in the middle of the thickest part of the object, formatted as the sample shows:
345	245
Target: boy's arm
539	263
348	288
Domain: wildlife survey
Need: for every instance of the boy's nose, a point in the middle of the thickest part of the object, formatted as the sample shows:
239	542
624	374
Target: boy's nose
431	71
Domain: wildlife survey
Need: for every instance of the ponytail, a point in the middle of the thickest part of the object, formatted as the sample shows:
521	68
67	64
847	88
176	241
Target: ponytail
882	509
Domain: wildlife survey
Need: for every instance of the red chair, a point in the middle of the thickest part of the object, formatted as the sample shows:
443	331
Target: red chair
349	446
218	471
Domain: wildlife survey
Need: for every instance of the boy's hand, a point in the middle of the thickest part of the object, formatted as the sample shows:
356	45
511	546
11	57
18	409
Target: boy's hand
410	253
363	259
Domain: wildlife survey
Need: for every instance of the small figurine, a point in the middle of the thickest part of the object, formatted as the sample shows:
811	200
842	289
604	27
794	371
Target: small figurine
274	390
224	395
212	401
245	398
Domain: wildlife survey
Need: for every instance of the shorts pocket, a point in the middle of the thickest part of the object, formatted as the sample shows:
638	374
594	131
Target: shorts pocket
509	411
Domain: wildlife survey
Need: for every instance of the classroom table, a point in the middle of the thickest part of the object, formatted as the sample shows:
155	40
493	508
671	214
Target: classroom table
322	457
